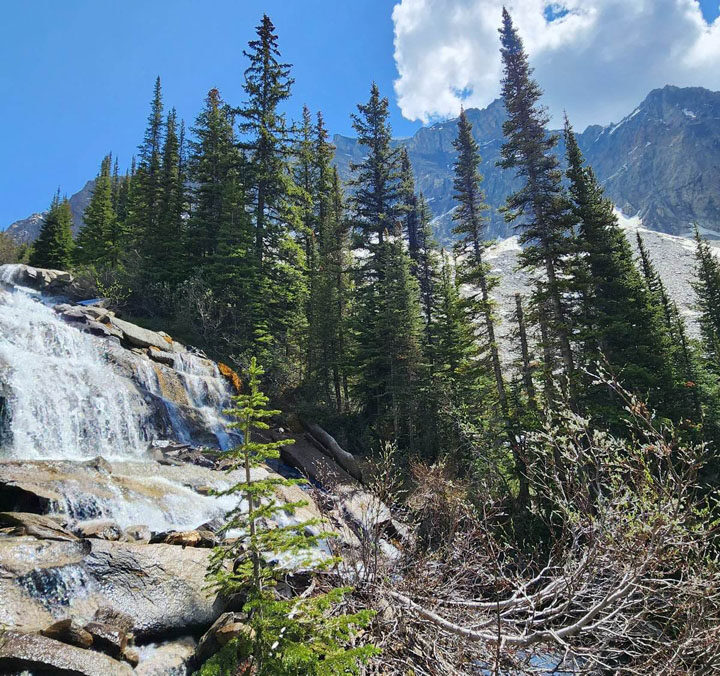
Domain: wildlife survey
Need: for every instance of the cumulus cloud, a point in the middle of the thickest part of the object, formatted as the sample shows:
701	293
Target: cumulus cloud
595	58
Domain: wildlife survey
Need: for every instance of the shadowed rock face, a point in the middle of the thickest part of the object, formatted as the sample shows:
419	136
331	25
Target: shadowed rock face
660	162
19	651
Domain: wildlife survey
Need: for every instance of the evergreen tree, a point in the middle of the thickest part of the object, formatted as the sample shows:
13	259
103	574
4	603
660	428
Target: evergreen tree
328	263
474	272
387	312
707	291
54	246
277	279
677	396
286	636
540	205
94	245
426	262
409	201
145	207
266	137
458	382
619	323
163	244
217	226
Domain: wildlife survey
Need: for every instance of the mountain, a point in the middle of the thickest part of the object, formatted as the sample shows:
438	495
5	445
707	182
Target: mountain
661	162
673	256
27	229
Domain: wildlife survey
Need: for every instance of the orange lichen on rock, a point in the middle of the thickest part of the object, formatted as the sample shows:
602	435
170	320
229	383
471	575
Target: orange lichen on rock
231	376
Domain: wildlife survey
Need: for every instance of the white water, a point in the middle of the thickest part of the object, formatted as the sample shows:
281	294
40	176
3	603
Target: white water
67	402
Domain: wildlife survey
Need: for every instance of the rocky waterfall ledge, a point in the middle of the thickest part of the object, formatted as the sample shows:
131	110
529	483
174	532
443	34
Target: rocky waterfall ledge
111	440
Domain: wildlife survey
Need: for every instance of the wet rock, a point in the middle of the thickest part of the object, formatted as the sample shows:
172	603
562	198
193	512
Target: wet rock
102	529
161	356
131	656
166	659
191	538
226	627
98	463
161	586
102	330
37	525
98	313
139	533
36	653
140	337
109	639
353	505
116	618
69	631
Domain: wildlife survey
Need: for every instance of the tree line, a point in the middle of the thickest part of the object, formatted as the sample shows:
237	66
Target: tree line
239	234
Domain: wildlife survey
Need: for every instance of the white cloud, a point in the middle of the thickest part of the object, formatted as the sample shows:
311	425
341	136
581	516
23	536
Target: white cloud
598	60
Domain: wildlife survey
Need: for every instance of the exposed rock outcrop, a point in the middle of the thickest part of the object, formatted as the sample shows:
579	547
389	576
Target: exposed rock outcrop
40	654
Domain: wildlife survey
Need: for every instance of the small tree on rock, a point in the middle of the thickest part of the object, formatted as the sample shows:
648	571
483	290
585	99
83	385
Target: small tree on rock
302	635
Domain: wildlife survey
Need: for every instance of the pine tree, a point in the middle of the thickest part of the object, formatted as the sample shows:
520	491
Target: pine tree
145	208
707	291
541	203
219	241
286	636
278	284
619	324
163	244
387	312
54	246
94	245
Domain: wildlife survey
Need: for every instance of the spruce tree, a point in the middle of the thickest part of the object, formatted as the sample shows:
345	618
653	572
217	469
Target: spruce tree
676	396
387	312
470	226
277	278
94	245
54	246
409	202
219	231
287	636
540	206
266	137
163	244
328	264
707	291
619	324
145	208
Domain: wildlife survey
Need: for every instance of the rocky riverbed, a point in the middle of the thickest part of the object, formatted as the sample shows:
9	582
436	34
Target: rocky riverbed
103	554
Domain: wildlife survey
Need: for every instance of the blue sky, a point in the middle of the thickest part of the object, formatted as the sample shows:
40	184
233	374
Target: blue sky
76	75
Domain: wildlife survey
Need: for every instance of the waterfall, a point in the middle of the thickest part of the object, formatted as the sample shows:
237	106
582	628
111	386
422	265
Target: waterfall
64	400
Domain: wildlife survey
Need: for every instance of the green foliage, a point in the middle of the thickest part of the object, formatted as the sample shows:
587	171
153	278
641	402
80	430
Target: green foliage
540	206
304	635
387	306
96	240
54	246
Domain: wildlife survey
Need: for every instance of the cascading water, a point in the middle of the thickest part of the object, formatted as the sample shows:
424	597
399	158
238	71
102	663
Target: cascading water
64	400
